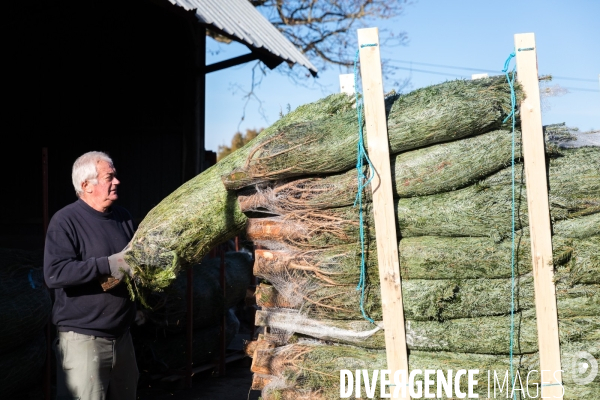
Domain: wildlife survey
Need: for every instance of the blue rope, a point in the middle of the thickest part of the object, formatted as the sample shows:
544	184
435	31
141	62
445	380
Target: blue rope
362	183
513	101
29	276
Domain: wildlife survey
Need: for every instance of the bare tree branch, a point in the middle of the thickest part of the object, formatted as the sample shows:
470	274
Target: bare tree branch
325	30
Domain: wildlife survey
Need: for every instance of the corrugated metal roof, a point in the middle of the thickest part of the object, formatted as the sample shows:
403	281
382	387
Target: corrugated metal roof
239	19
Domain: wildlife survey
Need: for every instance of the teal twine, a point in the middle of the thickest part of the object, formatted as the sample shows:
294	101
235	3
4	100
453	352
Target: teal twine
31	282
362	183
513	100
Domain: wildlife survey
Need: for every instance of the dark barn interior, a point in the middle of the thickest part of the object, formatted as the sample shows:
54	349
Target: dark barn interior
127	78
114	76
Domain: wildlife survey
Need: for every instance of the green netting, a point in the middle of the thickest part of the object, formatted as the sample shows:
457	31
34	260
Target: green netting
573	181
455	286
482	335
434	169
25	303
430	257
483	209
580	227
314	369
15	259
322	283
434	257
560	133
201	213
582	264
21	367
440	113
25	307
437	300
430	170
183	227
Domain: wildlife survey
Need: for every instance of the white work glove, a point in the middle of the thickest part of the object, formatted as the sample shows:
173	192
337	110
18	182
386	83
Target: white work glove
118	266
118	269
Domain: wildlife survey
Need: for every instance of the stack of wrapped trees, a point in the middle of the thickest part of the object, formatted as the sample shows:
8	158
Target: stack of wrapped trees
292	190
454	209
25	307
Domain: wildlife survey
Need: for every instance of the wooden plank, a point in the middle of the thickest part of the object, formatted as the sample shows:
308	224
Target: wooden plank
479	76
260	381
347	84
539	215
383	203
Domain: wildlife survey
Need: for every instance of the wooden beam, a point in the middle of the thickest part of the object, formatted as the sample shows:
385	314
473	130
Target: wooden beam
260	381
232	62
262	362
347	84
539	216
383	203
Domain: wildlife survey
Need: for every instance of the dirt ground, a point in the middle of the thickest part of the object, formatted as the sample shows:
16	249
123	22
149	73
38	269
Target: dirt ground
207	385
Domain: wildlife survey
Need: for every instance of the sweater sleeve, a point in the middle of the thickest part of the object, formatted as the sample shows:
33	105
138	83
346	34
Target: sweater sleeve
62	267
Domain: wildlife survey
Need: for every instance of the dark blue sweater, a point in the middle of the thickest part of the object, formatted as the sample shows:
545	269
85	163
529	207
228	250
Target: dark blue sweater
78	243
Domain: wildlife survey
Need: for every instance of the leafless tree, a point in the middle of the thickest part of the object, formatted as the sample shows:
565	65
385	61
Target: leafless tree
325	30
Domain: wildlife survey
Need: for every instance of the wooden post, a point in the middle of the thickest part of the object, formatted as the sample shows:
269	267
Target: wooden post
347	84
539	216
383	204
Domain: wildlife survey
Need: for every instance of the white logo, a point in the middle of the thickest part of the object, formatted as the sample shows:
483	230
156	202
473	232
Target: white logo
584	367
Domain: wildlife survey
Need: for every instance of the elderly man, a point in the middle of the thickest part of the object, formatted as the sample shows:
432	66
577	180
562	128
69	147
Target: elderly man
84	243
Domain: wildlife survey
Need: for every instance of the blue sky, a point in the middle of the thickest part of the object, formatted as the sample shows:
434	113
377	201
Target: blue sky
446	40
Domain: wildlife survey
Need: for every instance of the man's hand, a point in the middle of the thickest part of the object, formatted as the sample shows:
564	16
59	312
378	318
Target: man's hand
118	269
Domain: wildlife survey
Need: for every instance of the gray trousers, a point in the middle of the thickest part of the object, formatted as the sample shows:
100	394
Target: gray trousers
94	368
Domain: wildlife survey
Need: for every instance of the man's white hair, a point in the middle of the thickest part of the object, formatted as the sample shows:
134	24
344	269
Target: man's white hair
84	169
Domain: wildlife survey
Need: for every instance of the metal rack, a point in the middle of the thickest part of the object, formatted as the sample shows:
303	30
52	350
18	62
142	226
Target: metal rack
225	355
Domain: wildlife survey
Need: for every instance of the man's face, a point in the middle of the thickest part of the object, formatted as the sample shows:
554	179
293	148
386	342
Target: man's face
101	196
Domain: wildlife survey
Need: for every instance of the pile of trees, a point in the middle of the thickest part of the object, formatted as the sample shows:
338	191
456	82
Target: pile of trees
292	191
453	212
